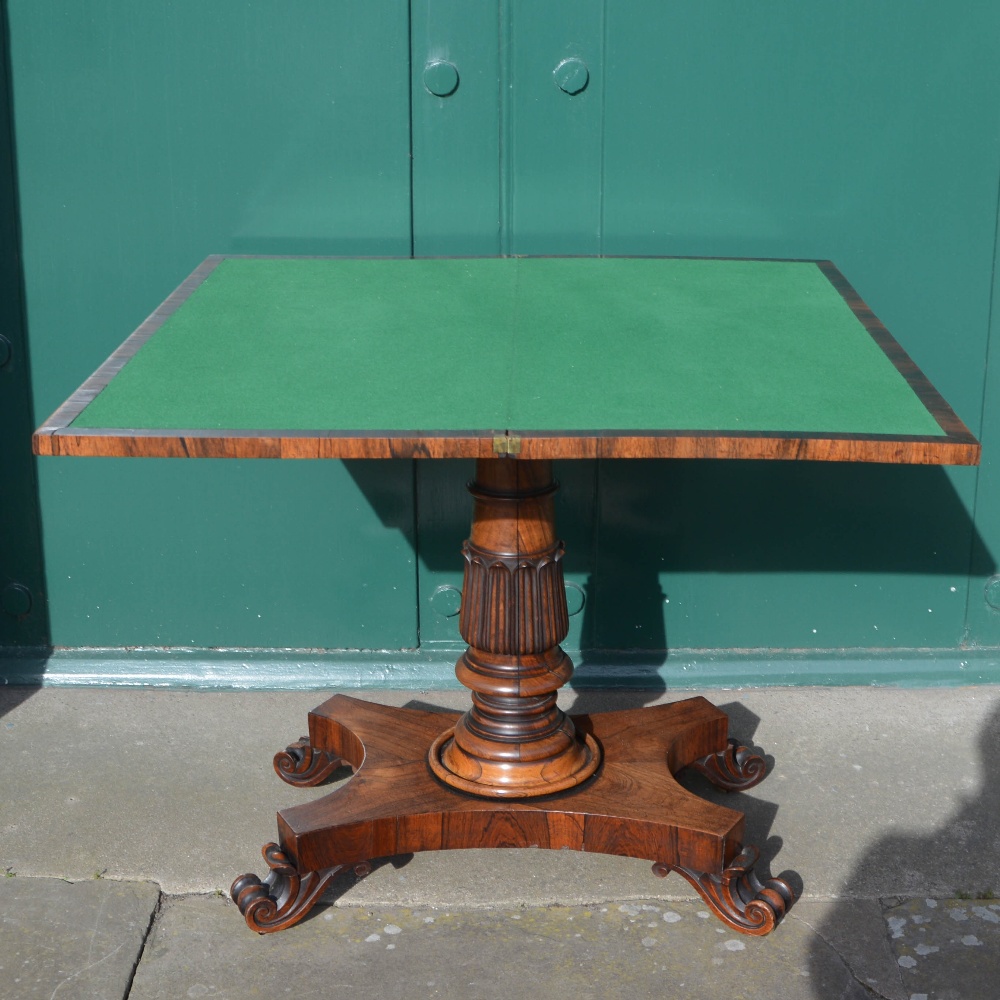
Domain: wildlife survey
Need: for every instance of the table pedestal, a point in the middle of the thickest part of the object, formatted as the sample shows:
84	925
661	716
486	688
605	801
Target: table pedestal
514	742
514	771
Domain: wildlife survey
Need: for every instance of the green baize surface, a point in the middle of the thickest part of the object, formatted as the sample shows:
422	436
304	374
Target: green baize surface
546	344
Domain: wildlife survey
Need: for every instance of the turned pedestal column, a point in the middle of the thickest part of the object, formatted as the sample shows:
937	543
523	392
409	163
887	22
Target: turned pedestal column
514	741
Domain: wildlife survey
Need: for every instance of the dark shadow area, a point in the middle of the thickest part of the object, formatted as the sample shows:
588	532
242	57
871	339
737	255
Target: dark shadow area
14	695
389	496
624	599
760	814
348	879
653	516
24	619
426	706
790	517
626	523
742	723
588	693
957	860
23	666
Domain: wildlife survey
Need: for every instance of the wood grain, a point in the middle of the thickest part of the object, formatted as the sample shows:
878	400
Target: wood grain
644	748
393	805
953	450
515	741
956	446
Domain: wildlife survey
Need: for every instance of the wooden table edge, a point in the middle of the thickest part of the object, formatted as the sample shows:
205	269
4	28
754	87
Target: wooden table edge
949	449
957	446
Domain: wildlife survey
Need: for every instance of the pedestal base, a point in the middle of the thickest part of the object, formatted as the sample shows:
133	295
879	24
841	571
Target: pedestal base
632	806
531	778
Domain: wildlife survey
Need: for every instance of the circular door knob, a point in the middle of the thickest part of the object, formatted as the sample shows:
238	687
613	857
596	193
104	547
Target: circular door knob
15	599
441	78
446	600
571	75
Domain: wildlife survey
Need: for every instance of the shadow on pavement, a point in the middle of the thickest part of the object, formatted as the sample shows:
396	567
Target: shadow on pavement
941	911
11	697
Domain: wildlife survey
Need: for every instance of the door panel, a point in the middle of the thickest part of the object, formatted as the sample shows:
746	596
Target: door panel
554	136
844	133
713	129
149	136
456	133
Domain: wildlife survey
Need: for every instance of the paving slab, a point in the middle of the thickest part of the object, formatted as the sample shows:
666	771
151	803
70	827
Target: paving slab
855	930
947	949
873	793
71	940
612	951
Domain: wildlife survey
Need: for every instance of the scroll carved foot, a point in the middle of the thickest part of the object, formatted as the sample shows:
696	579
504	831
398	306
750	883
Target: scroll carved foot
304	765
285	895
737	897
734	769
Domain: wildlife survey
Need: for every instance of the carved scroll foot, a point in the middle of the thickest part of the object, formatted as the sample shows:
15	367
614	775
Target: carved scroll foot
734	769
737	897
285	896
304	765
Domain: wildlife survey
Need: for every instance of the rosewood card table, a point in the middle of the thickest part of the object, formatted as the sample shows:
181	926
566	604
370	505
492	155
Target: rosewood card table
514	362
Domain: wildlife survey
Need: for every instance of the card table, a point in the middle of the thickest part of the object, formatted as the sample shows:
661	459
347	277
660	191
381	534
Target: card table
514	362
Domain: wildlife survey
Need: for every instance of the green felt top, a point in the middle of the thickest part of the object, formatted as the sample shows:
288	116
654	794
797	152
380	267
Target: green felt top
543	344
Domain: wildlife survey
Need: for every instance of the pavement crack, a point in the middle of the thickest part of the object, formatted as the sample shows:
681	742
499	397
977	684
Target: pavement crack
867	987
153	917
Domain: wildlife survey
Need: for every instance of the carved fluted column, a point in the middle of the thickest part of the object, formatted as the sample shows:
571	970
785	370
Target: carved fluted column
514	741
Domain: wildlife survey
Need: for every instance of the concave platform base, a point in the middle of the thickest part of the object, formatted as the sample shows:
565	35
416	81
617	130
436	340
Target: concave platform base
632	807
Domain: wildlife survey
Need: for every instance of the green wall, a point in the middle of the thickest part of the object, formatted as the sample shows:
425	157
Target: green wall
148	136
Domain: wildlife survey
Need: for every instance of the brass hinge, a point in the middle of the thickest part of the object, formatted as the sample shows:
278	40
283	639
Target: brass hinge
506	444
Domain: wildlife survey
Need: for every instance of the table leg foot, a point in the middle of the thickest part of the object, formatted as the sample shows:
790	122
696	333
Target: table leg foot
304	765
285	895
734	769
737	896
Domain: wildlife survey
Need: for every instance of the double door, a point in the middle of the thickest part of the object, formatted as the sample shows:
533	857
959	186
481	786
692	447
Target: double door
148	138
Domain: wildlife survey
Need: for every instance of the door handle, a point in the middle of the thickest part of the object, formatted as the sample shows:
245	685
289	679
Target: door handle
571	75
441	78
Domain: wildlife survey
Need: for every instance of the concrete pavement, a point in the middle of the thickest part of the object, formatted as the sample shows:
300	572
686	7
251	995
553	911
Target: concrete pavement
126	813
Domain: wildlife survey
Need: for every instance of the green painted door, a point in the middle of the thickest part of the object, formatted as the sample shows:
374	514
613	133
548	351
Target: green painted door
148	136
846	132
788	131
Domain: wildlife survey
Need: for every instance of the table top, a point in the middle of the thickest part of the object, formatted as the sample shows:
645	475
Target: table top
564	357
